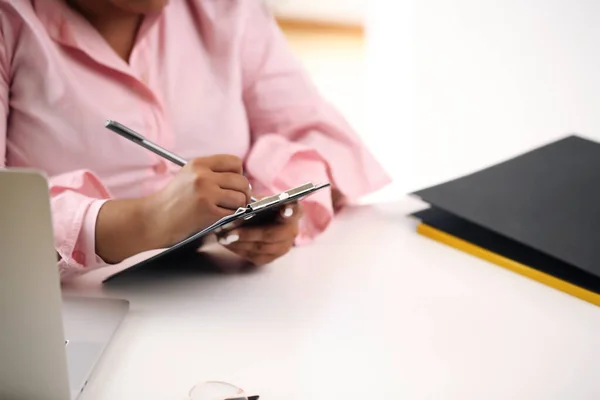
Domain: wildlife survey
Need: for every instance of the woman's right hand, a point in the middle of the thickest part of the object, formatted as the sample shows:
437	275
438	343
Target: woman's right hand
204	191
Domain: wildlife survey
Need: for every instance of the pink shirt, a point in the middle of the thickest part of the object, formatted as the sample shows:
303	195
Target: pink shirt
205	77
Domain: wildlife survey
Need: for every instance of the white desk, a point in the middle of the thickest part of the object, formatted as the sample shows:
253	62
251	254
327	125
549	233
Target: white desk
370	311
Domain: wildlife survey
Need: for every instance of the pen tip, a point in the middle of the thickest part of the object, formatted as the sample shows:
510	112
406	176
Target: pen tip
108	122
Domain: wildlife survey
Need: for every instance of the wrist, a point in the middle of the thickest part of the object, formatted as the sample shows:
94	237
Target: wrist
149	225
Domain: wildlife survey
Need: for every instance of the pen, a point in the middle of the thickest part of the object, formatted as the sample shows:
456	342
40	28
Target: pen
142	141
136	138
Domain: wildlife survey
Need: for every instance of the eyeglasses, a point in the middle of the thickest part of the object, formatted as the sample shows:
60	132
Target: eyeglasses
216	390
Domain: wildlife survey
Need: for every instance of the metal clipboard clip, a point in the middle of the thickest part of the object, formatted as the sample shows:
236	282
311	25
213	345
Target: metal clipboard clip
257	207
284	197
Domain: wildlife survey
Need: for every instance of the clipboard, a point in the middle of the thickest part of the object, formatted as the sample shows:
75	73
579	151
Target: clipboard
252	210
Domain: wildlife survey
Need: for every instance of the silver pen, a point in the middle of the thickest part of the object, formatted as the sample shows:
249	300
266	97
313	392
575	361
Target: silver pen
136	138
142	141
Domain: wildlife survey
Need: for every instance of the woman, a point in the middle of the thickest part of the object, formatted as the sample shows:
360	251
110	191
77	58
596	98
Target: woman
211	80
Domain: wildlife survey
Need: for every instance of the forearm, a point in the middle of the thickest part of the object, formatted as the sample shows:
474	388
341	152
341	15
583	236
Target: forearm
123	229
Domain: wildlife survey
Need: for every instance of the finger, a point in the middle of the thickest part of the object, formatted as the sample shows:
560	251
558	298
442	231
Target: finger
240	237
224	163
230	199
228	227
229	239
237	182
274	249
289	211
258	259
223	212
338	199
266	234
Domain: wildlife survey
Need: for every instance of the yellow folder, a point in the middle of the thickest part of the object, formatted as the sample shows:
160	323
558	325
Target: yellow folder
450	240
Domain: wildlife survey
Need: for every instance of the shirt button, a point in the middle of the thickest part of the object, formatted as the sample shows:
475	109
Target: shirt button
161	167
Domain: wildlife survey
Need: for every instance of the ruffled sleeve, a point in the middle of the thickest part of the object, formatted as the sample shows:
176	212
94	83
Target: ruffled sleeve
296	135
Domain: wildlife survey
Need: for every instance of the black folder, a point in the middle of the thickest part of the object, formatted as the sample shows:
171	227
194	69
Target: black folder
538	214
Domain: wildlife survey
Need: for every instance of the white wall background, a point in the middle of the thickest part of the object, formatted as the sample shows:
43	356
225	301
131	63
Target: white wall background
455	85
340	11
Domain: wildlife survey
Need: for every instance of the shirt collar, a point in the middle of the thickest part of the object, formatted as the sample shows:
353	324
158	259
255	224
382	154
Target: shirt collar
60	21
67	27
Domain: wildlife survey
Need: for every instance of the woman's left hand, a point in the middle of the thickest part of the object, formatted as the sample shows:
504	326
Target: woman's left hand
263	244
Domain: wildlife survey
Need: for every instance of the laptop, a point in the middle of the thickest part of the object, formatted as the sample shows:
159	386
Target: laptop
49	344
